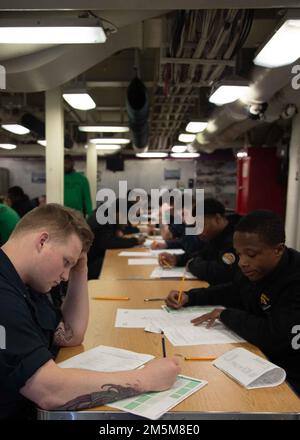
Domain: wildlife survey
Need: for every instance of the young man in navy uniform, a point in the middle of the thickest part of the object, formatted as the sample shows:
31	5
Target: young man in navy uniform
49	245
215	260
263	302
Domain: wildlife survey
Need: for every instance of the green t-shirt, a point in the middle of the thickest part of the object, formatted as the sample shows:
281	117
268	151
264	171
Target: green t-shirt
8	220
77	192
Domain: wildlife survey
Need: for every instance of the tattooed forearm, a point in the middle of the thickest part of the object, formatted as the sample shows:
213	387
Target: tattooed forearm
109	393
63	334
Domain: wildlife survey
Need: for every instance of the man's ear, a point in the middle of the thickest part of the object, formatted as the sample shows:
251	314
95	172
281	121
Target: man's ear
279	249
42	239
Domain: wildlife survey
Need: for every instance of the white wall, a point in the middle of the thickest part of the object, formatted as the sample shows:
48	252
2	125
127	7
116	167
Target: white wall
22	172
146	174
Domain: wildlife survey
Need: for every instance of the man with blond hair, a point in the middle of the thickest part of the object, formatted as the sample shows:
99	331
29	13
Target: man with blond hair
49	245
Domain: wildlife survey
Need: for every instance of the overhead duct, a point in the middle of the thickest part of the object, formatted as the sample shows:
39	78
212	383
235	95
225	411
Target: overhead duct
36	126
137	105
232	120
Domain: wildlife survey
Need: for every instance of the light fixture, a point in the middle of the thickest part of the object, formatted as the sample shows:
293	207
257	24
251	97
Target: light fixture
112	147
8	146
283	46
185	155
115	141
52	31
78	99
104	128
241	154
227	91
186	137
179	148
196	126
15	128
153	155
42	142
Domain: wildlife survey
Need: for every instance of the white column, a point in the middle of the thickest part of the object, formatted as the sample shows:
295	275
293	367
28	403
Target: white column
292	226
91	171
55	147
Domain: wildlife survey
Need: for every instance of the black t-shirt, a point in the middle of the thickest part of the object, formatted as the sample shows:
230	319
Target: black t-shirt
28	321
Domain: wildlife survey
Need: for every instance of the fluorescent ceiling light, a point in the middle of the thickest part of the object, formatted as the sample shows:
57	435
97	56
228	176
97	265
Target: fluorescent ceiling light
185	155
196	127
8	146
52	31
111	147
15	128
179	148
185	137
42	142
152	155
80	100
283	48
103	128
110	141
225	93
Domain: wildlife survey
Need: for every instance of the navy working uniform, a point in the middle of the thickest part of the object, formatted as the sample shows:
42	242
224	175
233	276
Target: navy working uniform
215	261
265	313
29	320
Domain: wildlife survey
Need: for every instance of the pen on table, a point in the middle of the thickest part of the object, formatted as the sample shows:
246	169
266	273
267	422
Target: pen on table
181	290
163	344
154	299
199	358
117	298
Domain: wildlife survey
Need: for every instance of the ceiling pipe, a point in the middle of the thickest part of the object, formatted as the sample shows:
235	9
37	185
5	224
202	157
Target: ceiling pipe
137	105
264	88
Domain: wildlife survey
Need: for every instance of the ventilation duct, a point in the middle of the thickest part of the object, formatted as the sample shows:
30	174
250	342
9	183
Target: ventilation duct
137	105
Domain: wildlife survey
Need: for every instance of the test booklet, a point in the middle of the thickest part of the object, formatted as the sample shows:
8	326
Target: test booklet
154	405
107	359
142	261
174	272
134	254
177	325
168	251
250	370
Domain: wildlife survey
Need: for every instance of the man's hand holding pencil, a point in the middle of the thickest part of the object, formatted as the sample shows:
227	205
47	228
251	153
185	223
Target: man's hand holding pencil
172	299
167	260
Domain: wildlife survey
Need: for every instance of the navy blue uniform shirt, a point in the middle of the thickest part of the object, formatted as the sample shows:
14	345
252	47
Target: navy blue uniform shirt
28	321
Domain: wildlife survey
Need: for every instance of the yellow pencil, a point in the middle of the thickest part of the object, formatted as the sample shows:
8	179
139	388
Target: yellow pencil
117	298
181	289
166	264
203	358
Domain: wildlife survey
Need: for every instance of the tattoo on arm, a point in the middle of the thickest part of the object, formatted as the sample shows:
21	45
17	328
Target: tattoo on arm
63	334
110	393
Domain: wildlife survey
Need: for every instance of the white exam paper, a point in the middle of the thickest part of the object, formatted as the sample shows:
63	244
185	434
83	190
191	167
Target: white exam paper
142	261
106	359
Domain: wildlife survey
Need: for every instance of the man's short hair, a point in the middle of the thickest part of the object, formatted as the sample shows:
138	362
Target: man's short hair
212	207
266	224
60	221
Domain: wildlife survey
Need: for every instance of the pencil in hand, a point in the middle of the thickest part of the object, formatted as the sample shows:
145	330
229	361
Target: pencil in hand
163	344
181	290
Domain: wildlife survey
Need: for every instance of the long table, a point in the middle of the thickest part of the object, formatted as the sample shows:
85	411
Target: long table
222	398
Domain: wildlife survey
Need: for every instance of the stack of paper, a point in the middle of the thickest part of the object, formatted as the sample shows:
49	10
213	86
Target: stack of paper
154	405
142	261
107	359
169	251
177	325
174	272
135	254
250	370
